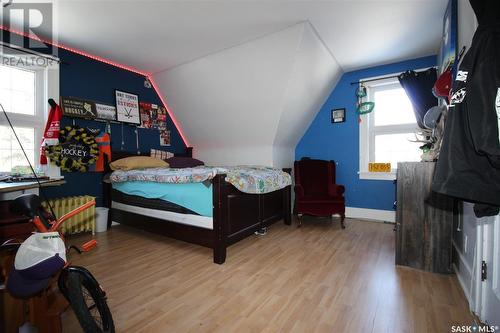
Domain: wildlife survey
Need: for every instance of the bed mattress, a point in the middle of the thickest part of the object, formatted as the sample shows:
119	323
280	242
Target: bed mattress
159	204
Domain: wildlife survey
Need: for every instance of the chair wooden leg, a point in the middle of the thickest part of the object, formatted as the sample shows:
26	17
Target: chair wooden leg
299	217
342	224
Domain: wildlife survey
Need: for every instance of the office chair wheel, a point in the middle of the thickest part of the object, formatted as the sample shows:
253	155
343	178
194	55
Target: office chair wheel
88	302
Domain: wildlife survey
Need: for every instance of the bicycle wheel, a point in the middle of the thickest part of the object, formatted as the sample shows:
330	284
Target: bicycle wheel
88	303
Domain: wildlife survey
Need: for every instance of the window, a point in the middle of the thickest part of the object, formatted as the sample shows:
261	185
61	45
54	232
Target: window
24	91
386	132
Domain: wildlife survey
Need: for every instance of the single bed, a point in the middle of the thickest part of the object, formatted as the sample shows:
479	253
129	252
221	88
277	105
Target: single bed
235	215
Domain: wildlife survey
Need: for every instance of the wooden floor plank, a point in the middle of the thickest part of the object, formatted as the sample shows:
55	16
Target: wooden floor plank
318	278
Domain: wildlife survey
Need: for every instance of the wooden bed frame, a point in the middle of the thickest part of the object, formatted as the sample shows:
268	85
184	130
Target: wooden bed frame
236	215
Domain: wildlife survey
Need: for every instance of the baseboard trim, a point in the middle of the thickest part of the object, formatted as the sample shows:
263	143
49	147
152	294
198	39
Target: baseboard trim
371	214
461	257
460	274
461	282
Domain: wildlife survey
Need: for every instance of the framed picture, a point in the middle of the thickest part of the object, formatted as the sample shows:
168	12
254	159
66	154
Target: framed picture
76	107
338	115
127	107
107	112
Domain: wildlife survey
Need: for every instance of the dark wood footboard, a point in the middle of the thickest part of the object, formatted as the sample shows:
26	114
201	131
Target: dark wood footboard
238	215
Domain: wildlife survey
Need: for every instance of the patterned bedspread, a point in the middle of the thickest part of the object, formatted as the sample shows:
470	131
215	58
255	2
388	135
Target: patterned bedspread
257	179
248	179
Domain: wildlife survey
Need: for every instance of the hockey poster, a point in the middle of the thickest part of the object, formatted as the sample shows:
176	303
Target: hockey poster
127	107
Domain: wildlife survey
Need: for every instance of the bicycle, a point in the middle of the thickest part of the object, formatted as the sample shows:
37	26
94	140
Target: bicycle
76	283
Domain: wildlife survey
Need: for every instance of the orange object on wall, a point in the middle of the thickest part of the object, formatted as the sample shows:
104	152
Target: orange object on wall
104	143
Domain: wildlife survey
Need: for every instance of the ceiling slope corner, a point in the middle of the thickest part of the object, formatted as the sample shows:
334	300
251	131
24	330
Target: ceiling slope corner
315	74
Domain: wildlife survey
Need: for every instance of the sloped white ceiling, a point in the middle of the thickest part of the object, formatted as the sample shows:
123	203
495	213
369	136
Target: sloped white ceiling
154	35
251	103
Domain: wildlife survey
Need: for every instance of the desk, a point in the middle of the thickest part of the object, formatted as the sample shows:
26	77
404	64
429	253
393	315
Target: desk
9	191
17	226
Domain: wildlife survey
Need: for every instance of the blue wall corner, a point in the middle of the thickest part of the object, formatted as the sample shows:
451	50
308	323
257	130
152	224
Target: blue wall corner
340	142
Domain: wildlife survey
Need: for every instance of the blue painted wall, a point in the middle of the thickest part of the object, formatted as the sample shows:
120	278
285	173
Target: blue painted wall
340	142
94	80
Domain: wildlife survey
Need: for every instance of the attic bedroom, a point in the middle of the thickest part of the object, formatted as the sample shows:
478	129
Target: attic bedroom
249	166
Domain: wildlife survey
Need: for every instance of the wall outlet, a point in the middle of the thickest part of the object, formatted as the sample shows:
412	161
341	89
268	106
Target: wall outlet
465	243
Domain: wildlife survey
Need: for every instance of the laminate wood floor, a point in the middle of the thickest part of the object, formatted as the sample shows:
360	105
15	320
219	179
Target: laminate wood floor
318	278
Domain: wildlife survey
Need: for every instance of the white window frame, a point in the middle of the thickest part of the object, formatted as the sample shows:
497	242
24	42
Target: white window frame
368	131
46	86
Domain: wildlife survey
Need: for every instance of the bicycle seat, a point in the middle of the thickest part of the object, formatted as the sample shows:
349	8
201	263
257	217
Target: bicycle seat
26	204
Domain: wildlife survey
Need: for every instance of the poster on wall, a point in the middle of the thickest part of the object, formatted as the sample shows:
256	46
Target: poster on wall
145	113
153	116
164	138
127	107
107	112
76	107
162	118
448	51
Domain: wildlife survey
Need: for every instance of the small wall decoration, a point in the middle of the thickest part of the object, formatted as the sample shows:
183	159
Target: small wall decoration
164	138
76	151
338	115
76	107
107	112
379	167
127	107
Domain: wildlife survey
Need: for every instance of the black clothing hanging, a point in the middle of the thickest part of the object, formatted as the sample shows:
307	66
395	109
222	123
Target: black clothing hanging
469	161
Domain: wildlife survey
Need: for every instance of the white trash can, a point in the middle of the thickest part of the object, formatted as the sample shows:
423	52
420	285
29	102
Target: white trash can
101	219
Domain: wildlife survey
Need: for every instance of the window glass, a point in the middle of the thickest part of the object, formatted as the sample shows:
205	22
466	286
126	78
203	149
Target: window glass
394	148
386	132
392	107
11	155
17	90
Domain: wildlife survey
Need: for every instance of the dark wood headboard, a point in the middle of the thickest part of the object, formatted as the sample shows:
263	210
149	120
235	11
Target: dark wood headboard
117	154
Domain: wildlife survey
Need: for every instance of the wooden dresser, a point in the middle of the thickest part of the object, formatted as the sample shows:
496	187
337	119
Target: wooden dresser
424	220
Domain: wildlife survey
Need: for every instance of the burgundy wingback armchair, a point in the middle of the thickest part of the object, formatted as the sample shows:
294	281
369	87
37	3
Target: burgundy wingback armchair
315	190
